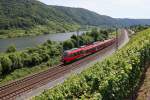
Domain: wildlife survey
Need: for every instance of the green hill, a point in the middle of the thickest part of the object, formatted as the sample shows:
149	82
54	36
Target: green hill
31	17
27	17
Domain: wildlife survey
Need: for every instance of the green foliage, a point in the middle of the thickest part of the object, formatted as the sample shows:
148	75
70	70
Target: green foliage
30	57
6	64
94	33
138	28
36	59
17	60
112	79
68	45
11	49
25	71
31	17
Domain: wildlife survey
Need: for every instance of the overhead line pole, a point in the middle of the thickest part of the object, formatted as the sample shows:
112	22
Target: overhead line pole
116	38
78	45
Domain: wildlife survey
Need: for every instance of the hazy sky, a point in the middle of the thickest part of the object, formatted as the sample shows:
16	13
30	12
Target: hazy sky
113	8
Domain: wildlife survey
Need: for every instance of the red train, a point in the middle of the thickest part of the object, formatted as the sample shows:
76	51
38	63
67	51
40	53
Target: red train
77	53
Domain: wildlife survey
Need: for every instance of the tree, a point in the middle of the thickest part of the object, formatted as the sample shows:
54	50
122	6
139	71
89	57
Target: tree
36	59
95	34
6	64
54	51
11	49
45	57
88	39
68	45
49	41
16	60
74	37
26	59
104	34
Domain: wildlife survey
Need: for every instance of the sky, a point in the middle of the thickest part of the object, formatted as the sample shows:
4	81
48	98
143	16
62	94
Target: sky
114	8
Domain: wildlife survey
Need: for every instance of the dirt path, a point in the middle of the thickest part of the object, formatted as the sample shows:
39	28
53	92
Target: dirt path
144	91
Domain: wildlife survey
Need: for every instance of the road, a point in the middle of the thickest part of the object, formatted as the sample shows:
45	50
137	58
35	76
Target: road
99	56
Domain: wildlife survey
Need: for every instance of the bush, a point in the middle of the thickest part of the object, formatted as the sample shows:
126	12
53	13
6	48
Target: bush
36	59
26	59
16	61
6	64
68	45
11	49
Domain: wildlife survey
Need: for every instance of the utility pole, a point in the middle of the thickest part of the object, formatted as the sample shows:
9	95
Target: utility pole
87	27
62	49
116	39
78	45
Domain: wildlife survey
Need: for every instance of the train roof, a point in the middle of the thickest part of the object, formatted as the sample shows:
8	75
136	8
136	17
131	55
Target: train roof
74	50
86	47
95	44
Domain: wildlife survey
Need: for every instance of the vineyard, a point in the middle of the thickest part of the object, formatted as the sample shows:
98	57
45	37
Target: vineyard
113	79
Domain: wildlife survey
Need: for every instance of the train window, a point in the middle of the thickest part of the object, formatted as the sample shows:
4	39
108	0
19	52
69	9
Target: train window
82	52
79	52
71	55
65	54
75	54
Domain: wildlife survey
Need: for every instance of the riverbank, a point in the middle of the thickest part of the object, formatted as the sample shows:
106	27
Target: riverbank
37	30
22	43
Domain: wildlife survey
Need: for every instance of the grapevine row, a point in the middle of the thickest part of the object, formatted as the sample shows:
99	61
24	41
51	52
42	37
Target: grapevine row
113	79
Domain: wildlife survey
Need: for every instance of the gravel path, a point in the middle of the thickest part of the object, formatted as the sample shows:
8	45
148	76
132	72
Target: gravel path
123	39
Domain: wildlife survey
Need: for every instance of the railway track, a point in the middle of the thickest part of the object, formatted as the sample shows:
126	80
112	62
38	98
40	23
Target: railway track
17	88
12	90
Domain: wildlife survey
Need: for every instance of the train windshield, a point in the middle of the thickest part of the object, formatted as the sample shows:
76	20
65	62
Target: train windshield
65	54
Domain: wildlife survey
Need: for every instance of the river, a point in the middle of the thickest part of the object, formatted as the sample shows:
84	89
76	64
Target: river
32	41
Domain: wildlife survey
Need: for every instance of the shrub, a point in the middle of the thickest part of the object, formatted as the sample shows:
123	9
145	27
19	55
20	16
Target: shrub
16	60
6	64
11	49
68	45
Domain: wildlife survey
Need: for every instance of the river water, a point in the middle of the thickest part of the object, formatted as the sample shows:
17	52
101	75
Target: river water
26	42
